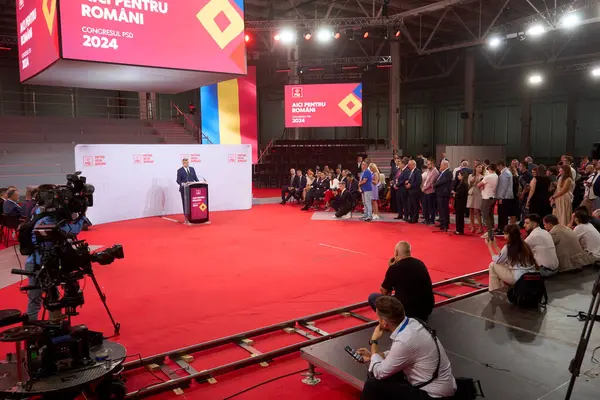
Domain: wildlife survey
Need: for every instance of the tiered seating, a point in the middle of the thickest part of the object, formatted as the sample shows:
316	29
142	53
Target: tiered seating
39	150
286	154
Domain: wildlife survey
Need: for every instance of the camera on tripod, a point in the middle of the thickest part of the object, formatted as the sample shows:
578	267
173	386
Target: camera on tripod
60	262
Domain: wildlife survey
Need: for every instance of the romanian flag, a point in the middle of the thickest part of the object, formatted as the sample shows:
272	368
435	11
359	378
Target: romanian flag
229	112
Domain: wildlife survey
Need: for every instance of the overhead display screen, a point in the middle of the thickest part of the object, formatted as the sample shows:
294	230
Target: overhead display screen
324	105
37	25
199	35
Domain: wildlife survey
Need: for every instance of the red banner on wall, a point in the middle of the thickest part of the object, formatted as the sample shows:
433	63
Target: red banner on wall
325	105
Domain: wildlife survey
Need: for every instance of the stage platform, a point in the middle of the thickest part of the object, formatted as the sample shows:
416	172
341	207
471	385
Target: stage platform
516	354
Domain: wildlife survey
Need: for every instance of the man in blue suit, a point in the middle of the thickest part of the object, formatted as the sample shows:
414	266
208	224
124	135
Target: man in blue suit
185	174
442	188
413	187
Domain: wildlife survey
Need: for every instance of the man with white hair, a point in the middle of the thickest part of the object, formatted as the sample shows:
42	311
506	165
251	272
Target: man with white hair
409	280
442	187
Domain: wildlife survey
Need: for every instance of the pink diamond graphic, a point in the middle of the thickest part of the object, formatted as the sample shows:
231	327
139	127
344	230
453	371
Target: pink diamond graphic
222	21
350	105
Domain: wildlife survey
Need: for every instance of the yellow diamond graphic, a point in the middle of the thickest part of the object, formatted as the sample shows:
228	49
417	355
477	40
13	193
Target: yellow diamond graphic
350	105
49	11
203	207
209	13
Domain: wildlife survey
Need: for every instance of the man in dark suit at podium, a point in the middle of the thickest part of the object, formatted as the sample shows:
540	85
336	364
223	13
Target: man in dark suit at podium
185	174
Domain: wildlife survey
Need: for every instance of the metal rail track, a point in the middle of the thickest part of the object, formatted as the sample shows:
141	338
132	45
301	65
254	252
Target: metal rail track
182	357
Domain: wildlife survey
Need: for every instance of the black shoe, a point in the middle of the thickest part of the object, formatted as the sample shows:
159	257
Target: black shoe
282	203
398	217
305	208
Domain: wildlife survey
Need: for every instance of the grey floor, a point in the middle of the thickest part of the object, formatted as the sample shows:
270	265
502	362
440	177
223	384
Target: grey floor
516	354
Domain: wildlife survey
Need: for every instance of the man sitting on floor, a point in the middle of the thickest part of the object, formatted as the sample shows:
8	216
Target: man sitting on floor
342	203
588	236
415	368
571	256
409	279
542	245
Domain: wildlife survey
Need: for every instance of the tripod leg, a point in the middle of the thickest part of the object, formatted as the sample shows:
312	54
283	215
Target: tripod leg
586	334
116	325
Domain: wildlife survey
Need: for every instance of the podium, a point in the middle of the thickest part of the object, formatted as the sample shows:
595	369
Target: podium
195	199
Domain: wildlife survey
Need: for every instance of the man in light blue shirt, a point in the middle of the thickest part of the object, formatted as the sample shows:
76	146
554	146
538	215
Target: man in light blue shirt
366	186
504	194
415	367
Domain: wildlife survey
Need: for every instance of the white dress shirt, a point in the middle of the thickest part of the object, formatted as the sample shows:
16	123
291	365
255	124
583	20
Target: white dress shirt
414	353
542	246
489	190
589	238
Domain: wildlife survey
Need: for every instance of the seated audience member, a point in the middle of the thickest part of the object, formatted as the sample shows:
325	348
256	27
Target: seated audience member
588	236
569	252
413	359
409	280
510	263
30	202
542	245
310	177
334	185
286	190
11	206
342	203
297	187
595	222
319	187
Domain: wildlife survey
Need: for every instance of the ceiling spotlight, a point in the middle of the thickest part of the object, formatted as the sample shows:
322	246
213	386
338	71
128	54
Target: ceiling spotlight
307	35
596	72
324	35
535	79
336	34
536	30
397	32
570	20
494	42
365	33
287	36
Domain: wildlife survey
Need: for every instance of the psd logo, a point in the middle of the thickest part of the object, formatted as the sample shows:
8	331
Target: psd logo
297	92
137	158
21	4
88	161
231	158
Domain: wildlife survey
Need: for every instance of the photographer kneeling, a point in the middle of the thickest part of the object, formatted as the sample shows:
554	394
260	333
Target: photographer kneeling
415	368
46	214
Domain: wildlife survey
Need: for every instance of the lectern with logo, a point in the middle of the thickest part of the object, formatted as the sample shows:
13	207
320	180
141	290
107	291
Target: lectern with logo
195	197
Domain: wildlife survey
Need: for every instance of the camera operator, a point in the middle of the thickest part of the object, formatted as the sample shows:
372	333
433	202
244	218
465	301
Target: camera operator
415	368
34	261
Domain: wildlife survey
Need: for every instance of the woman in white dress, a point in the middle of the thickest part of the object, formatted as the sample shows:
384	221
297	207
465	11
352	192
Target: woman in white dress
474	199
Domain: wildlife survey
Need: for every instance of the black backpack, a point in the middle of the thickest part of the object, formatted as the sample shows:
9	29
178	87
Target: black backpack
529	291
24	234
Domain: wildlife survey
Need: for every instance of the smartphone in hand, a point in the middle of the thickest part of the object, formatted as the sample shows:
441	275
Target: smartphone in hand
354	354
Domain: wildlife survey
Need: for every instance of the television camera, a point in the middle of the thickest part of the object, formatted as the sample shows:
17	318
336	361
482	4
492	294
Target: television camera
54	346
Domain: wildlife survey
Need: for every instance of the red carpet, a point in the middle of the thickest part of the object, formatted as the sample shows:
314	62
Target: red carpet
264	193
181	285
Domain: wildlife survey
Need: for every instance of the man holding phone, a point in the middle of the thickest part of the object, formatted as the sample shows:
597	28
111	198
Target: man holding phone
415	368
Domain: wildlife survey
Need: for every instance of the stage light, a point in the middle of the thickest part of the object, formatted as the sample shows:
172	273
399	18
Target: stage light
596	72
569	21
365	33
324	35
494	42
307	35
535	79
286	36
397	32
536	30
336	34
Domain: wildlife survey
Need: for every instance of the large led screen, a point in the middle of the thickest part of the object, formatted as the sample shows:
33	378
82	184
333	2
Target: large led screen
37	25
199	35
325	105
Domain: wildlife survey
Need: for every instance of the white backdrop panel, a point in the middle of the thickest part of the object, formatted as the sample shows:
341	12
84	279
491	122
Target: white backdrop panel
137	181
